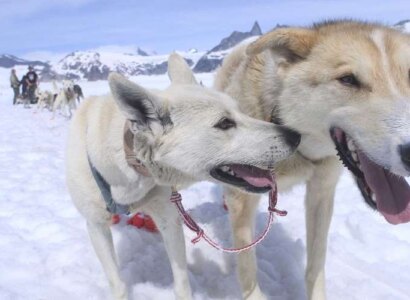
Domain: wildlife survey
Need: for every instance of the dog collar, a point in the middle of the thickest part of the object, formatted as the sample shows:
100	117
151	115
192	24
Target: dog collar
130	157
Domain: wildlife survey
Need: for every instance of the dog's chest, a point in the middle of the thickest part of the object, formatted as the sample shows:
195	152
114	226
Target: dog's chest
127	185
292	171
132	191
316	147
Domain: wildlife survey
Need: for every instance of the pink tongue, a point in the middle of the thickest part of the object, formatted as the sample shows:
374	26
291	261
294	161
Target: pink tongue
254	176
392	192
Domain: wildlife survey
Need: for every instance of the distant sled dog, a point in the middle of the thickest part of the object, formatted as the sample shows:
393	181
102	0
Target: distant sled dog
343	85
78	92
45	99
65	101
183	134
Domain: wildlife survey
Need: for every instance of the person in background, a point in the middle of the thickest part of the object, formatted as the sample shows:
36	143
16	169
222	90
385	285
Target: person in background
23	83
32	80
15	85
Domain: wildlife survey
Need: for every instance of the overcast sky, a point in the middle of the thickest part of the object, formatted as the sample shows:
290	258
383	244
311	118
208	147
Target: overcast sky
61	26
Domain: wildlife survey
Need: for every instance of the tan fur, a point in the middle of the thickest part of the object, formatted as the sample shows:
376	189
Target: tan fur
295	71
297	40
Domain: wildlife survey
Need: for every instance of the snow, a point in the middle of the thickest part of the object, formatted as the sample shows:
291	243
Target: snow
406	27
403	26
222	53
46	253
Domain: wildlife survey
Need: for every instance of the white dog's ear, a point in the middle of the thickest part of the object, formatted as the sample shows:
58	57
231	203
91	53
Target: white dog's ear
179	71
291	43
136	103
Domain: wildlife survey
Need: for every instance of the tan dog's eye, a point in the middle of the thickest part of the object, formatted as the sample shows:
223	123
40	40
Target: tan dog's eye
225	124
349	80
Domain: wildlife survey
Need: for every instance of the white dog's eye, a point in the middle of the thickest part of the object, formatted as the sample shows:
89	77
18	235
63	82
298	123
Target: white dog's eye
225	124
349	80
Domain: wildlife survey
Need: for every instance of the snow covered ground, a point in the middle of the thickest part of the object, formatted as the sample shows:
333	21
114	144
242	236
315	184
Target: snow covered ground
45	252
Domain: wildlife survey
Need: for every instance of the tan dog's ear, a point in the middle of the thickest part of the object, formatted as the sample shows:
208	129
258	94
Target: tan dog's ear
291	43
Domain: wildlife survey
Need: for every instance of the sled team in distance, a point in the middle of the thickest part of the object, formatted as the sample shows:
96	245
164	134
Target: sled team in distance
64	98
284	110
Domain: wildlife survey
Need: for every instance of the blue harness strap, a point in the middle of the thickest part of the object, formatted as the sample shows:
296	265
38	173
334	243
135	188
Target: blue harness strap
105	189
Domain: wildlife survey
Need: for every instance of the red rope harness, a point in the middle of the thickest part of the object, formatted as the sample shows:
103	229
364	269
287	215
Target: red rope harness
176	198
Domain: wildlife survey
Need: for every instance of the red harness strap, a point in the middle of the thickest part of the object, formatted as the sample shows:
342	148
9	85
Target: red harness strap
191	224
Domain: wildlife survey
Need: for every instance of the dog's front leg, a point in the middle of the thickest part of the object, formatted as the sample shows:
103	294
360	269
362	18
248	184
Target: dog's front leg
101	238
39	105
169	224
55	106
319	208
242	209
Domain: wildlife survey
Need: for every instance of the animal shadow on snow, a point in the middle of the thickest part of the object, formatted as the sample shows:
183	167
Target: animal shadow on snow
143	259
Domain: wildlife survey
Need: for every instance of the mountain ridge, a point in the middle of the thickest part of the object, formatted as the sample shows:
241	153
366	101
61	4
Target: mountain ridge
214	57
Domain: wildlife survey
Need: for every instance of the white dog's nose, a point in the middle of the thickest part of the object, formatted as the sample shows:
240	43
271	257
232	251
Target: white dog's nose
291	136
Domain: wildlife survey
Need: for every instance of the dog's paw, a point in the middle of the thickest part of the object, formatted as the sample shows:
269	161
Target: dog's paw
256	294
120	292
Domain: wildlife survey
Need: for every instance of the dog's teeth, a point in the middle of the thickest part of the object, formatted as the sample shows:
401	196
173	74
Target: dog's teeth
350	145
228	170
354	156
225	168
373	197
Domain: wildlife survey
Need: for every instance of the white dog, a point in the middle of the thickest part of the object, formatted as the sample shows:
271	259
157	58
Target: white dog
181	135
342	85
45	99
66	99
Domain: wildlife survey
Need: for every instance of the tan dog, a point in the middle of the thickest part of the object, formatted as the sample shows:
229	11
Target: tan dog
181	135
342	85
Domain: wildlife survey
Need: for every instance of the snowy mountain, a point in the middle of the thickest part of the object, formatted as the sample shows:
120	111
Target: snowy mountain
9	61
403	25
97	64
142	52
92	65
213	58
42	68
236	37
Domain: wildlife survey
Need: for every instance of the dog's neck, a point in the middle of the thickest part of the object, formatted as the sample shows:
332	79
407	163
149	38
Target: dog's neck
69	94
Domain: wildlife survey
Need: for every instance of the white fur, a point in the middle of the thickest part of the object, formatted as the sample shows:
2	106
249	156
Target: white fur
45	99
